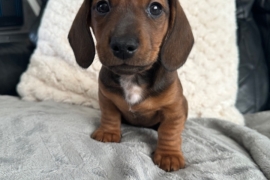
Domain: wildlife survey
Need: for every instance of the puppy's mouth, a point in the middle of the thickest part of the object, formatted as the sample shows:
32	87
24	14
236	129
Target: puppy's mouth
125	69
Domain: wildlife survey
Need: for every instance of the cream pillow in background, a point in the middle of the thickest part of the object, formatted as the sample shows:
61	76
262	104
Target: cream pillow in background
209	77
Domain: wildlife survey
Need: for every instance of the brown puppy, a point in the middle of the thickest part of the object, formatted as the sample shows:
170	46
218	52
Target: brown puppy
141	44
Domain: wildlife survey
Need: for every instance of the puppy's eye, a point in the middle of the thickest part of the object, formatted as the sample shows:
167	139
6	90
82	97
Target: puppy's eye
103	7
155	9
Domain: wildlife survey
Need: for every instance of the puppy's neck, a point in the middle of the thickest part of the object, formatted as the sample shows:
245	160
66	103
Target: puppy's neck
136	88
132	91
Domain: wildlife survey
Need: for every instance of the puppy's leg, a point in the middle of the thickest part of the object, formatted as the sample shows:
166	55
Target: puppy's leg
110	127
168	155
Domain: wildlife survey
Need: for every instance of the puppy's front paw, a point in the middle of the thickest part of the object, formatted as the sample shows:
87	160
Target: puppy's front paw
169	161
106	136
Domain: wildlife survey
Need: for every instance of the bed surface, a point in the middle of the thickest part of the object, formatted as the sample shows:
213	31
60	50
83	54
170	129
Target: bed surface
49	140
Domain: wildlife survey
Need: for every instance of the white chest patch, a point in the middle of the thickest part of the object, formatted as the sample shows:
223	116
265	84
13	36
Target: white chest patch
133	92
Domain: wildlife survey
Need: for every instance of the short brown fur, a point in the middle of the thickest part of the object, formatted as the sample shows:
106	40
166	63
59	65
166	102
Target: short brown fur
164	44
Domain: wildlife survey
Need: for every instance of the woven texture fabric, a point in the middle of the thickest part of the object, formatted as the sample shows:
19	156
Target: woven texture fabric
209	77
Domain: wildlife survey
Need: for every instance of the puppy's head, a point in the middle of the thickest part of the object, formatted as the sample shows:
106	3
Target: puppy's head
131	35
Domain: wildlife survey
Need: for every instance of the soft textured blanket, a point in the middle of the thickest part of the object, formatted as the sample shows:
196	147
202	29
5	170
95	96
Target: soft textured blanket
50	140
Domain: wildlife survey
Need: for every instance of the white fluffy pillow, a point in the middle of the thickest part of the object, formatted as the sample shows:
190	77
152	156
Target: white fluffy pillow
209	76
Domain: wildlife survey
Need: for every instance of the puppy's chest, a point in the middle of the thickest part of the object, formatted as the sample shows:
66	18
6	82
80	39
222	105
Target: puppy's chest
132	91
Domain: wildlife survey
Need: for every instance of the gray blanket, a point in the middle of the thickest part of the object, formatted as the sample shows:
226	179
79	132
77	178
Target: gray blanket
50	140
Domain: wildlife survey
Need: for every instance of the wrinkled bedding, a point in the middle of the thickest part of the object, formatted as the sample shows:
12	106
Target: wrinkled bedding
48	140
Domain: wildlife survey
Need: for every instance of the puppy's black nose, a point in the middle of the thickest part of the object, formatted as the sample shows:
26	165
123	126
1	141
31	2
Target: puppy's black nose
124	47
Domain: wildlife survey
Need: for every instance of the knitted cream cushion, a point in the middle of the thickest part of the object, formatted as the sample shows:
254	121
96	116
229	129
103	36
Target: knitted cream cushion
209	77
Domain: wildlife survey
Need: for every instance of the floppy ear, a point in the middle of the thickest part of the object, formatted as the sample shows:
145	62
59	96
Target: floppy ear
179	40
80	37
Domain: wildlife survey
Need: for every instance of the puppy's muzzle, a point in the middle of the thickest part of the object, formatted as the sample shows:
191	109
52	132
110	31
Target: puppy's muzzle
124	47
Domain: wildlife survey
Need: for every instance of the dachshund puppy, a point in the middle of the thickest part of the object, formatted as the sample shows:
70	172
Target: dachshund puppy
141	44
